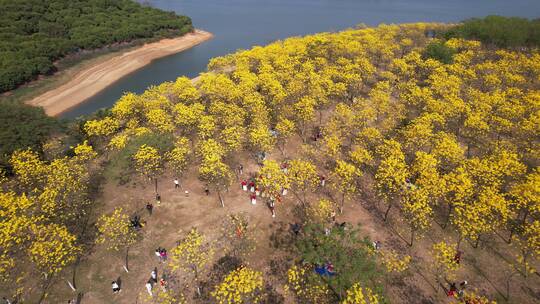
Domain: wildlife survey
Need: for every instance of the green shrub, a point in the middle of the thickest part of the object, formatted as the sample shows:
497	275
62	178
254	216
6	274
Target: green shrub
439	51
21	127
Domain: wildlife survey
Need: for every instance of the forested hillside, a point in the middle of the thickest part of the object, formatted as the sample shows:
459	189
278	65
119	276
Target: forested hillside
500	31
433	144
34	33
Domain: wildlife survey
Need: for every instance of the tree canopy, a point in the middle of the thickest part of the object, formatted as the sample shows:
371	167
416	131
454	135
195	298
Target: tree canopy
34	34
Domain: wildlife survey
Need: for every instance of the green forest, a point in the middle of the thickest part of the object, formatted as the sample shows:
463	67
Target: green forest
34	33
505	32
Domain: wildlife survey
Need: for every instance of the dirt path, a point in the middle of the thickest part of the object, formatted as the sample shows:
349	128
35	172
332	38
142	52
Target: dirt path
87	83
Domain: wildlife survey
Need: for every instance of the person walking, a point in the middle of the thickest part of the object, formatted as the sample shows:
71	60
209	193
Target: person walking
115	287
158	254
163	254
296	228
240	169
452	291
244	185
149	287
176	183
153	275
323	180
206	190
158	199
163	284
462	287
149	208
457	257
284	167
272	206
253	198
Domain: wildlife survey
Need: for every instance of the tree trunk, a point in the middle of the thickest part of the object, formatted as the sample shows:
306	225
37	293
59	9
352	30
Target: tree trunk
525	270
155	185
126	266
412	237
387	211
72	284
477	242
281	149
508	285
341	207
46	285
447	220
513	229
220	198
459	241
199	293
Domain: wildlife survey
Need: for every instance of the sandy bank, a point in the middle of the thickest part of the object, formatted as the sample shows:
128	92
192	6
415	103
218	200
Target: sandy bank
89	82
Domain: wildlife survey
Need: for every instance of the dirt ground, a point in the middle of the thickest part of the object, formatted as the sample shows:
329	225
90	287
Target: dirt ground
178	213
95	78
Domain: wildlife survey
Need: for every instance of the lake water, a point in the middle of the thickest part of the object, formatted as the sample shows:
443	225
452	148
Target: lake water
241	24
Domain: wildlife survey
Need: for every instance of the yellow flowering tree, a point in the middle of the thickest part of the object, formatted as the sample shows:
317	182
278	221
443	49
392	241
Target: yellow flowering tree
238	235
84	151
53	247
321	212
444	260
306	287
272	179
393	262
148	162
260	138
243	285
391	172
304	114
526	198
416	210
191	255
212	169
343	179
102	129
115	232
31	172
285	129
303	177
529	247
184	91
178	157
360	295
474	298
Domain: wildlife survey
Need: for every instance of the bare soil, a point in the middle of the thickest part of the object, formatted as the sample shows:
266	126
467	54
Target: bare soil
484	268
89	81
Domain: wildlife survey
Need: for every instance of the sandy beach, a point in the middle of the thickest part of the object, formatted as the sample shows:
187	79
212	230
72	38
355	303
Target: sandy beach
89	82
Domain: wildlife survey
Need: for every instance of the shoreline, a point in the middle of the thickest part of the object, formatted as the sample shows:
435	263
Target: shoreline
92	80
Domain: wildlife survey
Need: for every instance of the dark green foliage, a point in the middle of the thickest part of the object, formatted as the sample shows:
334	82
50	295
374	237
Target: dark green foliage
21	127
345	251
439	51
35	33
501	31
